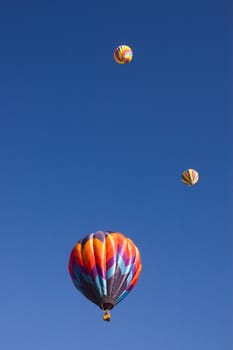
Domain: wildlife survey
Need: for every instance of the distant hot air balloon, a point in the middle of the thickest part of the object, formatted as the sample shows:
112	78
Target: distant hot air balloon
123	54
105	267
190	177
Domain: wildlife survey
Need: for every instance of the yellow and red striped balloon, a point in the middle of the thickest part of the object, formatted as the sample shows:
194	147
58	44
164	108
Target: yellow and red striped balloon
190	177
123	54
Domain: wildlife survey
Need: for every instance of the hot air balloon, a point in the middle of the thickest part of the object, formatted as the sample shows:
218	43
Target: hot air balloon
190	177
105	267
123	54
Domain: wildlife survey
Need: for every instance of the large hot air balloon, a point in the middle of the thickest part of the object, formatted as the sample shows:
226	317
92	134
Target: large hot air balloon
105	267
123	54
190	177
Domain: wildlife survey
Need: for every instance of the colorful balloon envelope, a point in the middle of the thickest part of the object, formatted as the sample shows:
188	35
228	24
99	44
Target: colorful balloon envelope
105	267
190	177
123	54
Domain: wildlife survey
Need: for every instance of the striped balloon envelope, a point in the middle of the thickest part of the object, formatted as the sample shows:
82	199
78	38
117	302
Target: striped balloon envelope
105	267
190	177
123	54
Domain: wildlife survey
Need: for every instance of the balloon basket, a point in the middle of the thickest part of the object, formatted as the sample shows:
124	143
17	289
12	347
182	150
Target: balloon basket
106	316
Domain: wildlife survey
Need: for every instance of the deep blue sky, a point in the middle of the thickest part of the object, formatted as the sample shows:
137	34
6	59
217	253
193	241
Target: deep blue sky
87	144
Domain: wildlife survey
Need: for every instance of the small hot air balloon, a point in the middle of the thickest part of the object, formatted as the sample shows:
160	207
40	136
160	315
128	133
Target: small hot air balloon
123	54
105	267
190	177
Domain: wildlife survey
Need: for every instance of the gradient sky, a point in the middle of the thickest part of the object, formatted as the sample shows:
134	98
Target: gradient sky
87	144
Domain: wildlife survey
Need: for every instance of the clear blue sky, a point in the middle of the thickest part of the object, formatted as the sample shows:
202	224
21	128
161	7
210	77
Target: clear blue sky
87	144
